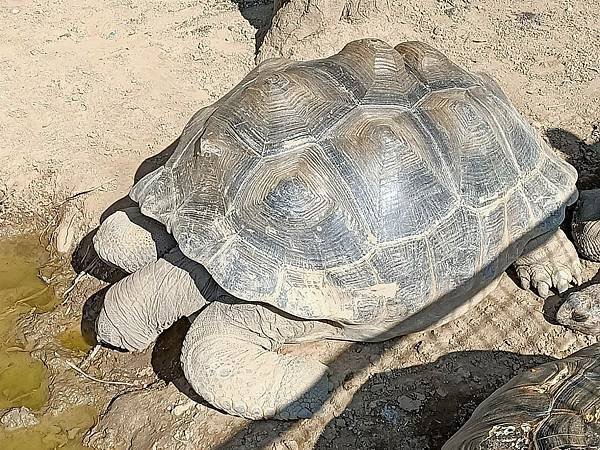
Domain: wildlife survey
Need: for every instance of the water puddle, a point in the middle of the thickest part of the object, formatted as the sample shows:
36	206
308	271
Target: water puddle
24	380
62	431
71	339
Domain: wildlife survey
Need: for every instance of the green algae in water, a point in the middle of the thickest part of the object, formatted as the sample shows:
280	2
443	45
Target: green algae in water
72	339
62	431
23	379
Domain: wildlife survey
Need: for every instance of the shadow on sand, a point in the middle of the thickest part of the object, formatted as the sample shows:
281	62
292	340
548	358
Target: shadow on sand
584	155
259	14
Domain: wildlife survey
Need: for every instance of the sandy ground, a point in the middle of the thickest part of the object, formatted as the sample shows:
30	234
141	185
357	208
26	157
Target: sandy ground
90	90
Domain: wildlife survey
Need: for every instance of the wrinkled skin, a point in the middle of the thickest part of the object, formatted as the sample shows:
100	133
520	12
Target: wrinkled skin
141	241
586	225
164	289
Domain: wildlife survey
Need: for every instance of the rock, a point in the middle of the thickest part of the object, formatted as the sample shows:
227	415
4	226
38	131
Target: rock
441	392
19	418
408	404
70	230
181	409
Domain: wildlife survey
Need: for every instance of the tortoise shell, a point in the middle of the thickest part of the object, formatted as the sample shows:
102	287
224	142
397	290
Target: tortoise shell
552	406
359	188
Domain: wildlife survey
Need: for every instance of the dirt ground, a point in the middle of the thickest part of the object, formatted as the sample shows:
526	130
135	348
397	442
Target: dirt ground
91	91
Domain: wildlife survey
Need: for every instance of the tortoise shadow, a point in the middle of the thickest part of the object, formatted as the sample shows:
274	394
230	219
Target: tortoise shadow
417	407
166	359
422	406
91	310
584	156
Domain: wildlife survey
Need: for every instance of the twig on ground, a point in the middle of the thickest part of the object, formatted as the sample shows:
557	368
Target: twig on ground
74	283
118	383
100	187
91	355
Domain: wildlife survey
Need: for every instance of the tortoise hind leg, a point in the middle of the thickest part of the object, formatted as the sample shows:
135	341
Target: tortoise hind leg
229	358
548	261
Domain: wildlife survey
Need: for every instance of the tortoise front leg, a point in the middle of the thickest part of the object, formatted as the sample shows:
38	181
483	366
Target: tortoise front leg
139	307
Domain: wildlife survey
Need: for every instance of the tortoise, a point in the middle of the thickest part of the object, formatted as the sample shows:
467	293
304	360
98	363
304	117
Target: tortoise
551	406
374	193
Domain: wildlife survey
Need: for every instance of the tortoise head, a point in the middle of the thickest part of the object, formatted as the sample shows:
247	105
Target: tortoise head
581	311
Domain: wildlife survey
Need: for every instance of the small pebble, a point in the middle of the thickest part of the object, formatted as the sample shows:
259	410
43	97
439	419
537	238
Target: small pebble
19	418
408	404
181	409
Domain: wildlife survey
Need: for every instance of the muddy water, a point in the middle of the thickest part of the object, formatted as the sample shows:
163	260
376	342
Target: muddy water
71	339
62	431
24	380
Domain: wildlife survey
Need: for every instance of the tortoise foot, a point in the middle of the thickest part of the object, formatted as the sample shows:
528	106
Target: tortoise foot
549	261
